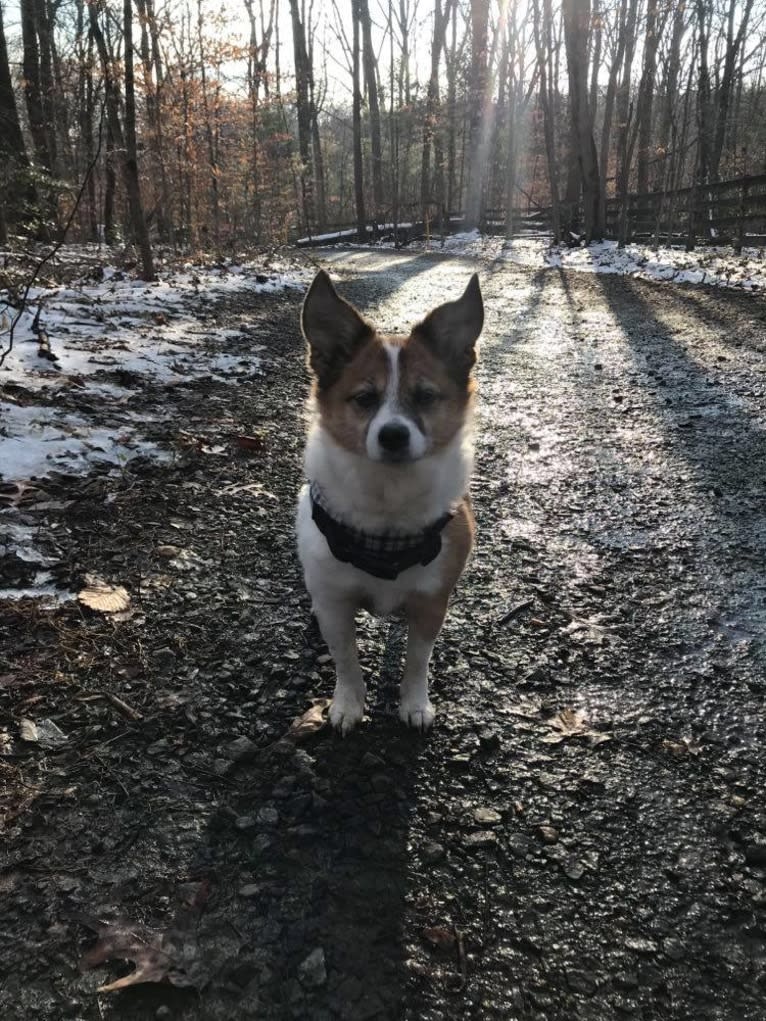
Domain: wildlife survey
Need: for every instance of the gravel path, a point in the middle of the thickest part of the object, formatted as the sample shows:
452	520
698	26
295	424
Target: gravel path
583	835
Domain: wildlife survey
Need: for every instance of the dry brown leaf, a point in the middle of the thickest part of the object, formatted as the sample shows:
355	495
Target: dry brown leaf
312	720
158	957
439	937
572	723
101	596
680	749
254	442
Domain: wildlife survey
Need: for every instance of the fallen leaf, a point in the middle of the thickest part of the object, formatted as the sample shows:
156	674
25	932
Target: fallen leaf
255	442
158	957
99	595
680	749
312	720
572	723
439	937
28	731
589	631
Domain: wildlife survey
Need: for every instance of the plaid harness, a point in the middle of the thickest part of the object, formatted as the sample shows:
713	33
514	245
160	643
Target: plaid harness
384	554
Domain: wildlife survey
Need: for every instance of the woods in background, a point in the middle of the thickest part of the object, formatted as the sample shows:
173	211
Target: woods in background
201	125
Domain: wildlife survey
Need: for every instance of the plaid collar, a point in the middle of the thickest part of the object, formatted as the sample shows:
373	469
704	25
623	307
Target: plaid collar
382	554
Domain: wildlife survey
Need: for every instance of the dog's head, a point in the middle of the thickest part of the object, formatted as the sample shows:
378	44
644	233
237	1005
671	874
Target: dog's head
391	398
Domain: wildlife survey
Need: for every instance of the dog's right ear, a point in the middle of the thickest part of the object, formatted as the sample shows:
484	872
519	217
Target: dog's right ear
333	329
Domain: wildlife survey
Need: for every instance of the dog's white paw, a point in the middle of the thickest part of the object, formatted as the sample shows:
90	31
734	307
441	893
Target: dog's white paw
346	712
418	714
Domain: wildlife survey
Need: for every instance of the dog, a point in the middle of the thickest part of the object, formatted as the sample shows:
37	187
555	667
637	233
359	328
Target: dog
384	522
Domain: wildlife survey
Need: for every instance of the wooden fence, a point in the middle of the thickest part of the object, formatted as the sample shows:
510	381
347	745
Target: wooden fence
728	212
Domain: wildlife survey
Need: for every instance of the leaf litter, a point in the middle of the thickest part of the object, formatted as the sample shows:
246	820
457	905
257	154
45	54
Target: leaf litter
170	957
573	723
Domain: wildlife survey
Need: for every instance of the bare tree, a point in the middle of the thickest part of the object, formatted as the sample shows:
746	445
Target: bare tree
361	217
13	152
371	88
477	130
576	30
125	140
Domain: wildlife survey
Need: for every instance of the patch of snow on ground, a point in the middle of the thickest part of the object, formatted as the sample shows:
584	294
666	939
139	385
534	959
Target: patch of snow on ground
714	266
120	324
718	266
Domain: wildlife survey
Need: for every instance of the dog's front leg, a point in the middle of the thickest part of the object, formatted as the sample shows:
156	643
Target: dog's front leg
338	627
425	617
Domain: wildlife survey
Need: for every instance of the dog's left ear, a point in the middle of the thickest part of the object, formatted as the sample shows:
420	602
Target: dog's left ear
452	329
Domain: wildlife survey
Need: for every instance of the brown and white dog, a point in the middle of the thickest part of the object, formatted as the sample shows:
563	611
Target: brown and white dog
385	521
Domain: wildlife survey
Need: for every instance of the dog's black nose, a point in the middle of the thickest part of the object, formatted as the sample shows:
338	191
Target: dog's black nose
394	437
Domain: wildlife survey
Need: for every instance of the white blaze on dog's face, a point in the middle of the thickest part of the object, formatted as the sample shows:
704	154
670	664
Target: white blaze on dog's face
389	398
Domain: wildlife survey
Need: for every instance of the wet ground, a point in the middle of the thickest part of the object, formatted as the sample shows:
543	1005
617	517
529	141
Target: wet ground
583	835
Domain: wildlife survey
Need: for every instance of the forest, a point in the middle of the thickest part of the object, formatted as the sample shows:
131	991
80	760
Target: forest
204	126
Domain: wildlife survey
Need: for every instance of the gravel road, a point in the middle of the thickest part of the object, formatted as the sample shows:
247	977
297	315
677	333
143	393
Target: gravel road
582	835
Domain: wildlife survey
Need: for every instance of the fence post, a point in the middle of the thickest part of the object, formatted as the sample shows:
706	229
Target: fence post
742	214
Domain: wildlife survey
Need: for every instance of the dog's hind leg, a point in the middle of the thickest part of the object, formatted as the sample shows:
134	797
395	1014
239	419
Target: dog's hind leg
338	627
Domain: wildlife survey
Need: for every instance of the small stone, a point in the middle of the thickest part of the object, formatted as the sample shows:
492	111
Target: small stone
674	949
520	845
268	816
371	761
245	822
574	870
487	817
489	740
239	749
164	659
641	945
381	783
313	971
249	890
481	838
755	851
581	982
432	852
548	834
461	761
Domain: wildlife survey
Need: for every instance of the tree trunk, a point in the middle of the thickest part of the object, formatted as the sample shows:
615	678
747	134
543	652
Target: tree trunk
669	92
576	15
302	99
542	32
361	218
13	154
724	91
430	128
477	129
646	95
371	87
125	141
32	84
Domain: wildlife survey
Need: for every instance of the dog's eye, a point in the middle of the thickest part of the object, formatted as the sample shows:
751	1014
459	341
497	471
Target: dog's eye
424	397
366	400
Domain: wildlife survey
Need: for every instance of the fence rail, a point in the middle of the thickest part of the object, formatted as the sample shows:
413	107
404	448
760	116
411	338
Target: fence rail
726	212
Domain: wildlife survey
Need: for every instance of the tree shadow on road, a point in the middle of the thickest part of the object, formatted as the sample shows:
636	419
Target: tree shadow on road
708	425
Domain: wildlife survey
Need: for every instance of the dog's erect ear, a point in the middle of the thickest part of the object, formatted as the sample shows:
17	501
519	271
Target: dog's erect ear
333	329
452	329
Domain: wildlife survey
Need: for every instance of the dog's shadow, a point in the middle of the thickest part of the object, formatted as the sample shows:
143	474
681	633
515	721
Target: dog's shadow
310	856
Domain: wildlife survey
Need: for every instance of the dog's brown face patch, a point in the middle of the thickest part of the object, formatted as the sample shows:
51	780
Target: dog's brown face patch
389	398
347	407
427	395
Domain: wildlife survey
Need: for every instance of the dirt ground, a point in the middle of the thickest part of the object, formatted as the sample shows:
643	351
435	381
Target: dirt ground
582	835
